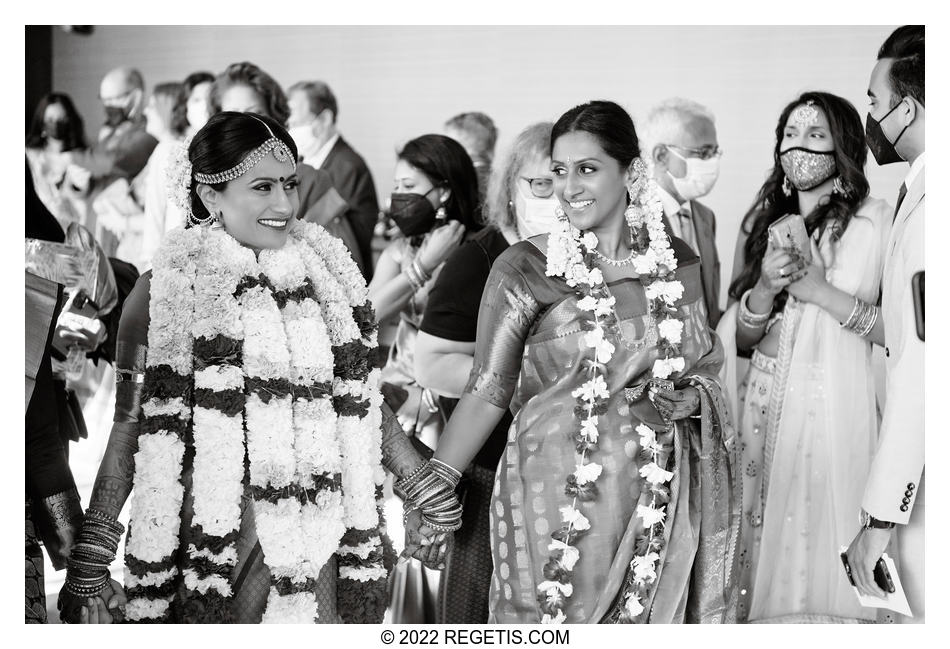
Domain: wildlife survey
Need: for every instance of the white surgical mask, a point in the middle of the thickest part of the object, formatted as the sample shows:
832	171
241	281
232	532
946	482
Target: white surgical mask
306	141
534	215
700	176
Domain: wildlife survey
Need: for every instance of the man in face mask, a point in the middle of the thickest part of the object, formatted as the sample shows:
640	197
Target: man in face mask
680	137
123	146
893	503
312	125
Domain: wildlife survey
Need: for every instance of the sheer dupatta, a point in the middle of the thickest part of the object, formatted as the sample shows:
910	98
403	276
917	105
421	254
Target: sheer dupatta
820	437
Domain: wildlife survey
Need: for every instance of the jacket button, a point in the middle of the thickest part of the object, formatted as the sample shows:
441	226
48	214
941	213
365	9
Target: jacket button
905	500
903	508
910	485
909	493
887	352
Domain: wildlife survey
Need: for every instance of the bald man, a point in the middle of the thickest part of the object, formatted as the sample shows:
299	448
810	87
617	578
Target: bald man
123	146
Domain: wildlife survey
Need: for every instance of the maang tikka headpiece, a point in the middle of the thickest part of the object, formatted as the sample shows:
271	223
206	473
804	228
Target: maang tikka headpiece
805	115
273	145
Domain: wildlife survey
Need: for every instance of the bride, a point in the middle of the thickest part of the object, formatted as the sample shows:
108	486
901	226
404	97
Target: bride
615	498
247	418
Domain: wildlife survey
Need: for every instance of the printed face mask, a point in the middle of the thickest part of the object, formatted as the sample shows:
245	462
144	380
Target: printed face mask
806	169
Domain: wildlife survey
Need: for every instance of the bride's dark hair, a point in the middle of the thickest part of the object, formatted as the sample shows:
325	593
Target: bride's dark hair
834	210
223	142
606	121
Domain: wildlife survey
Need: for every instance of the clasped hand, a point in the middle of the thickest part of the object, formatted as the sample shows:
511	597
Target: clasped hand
424	543
104	608
678	404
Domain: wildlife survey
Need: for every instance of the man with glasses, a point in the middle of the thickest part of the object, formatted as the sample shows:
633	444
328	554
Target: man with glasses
679	136
123	146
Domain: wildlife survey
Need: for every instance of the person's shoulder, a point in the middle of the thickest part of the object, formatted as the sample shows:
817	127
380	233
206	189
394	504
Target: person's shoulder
702	209
477	254
876	209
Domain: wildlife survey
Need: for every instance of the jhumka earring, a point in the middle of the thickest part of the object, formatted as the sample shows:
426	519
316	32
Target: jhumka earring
217	222
559	212
786	187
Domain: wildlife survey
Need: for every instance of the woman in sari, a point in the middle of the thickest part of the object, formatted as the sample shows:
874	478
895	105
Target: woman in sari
615	497
807	413
247	415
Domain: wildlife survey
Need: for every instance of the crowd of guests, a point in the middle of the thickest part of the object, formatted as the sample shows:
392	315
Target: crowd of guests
563	404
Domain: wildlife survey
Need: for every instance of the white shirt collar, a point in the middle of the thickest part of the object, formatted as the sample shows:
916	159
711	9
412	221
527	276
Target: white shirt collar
318	158
670	206
914	171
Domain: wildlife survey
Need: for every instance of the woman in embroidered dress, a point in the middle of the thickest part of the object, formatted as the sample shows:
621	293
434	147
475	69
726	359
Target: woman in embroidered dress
252	338
614	498
807	413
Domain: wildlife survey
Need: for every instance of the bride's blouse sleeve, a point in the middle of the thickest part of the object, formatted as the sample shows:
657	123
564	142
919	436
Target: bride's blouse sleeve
508	309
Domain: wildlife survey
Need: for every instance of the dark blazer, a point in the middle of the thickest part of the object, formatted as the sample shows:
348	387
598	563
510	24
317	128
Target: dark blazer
704	222
352	179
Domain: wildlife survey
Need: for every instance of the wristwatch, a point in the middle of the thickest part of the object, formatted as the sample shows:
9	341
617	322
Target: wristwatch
868	521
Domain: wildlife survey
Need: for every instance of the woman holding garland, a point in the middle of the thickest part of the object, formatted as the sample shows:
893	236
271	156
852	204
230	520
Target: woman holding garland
251	338
615	498
807	416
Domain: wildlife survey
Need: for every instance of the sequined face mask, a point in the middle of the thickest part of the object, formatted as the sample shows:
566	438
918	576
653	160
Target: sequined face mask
806	169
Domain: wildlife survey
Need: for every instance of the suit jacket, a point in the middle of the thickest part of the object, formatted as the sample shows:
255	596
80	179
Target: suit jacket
121	153
704	223
899	462
322	204
352	179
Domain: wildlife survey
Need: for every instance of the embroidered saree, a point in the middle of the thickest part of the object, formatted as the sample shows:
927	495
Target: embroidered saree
528	356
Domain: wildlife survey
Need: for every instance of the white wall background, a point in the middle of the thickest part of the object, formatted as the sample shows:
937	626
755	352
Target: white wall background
394	83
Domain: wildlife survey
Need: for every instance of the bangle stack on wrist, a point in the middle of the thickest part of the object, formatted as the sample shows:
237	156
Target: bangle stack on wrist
747	317
416	275
87	571
431	489
862	318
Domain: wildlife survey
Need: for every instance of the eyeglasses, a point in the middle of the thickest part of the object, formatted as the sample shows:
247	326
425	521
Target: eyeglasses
540	187
705	153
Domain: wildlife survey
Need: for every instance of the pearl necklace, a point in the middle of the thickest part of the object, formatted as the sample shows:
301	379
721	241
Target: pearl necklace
614	262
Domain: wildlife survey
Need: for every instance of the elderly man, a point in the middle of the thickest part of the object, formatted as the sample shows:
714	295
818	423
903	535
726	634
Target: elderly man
312	125
123	147
477	133
679	135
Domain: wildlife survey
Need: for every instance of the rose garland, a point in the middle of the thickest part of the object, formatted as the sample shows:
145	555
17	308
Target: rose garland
571	255
244	345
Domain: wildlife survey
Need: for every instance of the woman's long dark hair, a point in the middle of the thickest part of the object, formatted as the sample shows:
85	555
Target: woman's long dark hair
446	164
224	142
75	135
834	211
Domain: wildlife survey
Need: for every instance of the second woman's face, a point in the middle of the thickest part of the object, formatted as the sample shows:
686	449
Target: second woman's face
409	180
259	207
590	185
197	108
807	129
243	99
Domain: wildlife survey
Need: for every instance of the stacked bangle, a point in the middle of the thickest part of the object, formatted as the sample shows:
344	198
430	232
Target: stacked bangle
749	318
87	570
431	488
416	275
862	318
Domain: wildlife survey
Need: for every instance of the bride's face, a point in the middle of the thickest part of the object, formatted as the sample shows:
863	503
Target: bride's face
259	207
589	184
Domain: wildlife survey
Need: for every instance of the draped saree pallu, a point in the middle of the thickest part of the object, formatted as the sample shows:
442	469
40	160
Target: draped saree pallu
532	360
268	355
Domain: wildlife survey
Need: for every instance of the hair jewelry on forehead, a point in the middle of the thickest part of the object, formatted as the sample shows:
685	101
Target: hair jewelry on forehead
805	115
273	144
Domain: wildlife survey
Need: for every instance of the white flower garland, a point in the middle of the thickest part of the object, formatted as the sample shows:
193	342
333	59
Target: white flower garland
314	473
570	255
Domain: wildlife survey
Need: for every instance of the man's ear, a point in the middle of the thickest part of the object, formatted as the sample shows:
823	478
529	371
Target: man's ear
209	196
908	109
660	155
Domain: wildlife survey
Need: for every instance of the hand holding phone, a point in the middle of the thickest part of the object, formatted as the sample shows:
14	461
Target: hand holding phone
789	233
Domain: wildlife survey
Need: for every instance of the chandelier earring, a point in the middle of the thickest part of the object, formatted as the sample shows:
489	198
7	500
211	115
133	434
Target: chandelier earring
787	187
559	212
840	187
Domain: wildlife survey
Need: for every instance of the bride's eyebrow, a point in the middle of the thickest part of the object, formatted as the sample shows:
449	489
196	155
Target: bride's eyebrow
274	180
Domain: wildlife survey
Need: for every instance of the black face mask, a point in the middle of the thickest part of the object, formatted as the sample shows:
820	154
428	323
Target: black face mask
882	149
115	115
413	213
56	129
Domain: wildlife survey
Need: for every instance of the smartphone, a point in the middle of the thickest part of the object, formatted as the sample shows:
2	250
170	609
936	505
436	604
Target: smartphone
789	233
917	286
882	576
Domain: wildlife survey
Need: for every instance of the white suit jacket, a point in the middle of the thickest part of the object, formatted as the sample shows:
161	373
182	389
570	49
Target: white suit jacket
899	462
